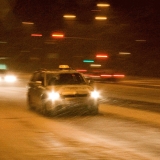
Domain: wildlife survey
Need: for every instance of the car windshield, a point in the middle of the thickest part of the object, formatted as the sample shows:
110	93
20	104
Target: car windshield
65	79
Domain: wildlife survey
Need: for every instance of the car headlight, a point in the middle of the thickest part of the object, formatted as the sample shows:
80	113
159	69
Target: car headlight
53	96
95	94
10	78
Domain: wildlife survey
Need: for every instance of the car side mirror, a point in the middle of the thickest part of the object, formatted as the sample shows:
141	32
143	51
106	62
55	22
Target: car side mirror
38	83
90	82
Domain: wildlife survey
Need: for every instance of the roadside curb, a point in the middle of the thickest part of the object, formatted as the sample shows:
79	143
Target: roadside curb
148	117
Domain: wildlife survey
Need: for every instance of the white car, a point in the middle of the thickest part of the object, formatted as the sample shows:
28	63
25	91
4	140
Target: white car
6	77
52	92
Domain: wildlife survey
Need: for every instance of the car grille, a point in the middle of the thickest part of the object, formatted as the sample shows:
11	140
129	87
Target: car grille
74	95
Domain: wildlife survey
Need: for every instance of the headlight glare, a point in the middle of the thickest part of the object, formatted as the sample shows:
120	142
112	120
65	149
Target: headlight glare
53	96
95	94
10	78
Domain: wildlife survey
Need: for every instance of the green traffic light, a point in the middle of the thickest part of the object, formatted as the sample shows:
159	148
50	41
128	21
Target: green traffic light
88	61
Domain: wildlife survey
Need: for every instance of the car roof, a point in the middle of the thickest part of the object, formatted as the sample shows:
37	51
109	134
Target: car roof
57	71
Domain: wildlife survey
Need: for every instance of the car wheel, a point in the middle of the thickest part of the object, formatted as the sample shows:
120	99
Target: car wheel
43	109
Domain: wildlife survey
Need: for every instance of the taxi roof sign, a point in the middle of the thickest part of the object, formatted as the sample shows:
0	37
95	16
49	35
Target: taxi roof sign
64	67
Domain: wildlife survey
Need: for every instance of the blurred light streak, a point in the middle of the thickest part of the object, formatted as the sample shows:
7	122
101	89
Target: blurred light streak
106	75
103	5
114	75
28	23
95	65
119	75
3	57
58	35
100	18
81	70
124	53
69	16
94	76
140	40
36	35
101	56
88	61
3	42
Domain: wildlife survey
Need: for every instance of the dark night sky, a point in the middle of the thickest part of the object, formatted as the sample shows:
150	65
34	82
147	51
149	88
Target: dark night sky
127	20
142	16
48	14
40	11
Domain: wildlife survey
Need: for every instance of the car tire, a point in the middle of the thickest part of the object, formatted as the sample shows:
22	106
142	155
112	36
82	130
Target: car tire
43	109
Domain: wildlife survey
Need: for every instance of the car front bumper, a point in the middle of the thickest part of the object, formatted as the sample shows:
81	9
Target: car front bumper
72	104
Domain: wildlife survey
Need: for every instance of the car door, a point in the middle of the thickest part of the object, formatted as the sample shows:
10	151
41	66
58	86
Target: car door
39	89
32	88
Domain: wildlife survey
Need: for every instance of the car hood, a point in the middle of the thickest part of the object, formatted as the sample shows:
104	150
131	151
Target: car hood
71	89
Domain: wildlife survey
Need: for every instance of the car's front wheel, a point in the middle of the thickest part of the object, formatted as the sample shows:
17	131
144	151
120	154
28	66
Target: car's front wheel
43	108
46	109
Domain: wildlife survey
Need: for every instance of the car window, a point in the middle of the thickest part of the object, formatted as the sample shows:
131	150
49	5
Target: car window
65	78
38	77
34	77
51	78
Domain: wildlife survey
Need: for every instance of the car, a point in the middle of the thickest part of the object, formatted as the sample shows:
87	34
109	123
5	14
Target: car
7	77
104	75
55	91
